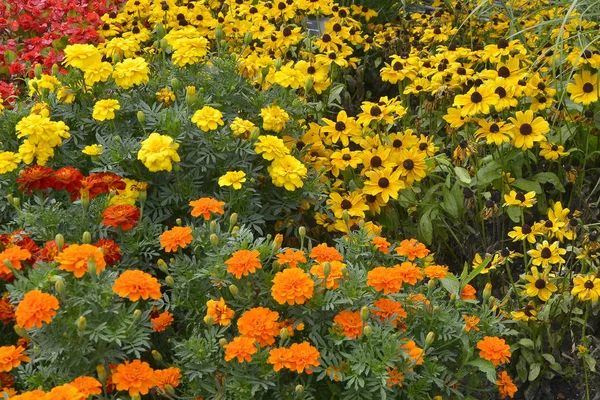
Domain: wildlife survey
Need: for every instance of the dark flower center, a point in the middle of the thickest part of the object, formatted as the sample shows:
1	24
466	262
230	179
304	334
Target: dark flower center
501	92
375	111
326	38
311	70
503	72
588	87
376	162
287	31
476	97
520	196
546	253
540	284
397	143
525	129
383	183
346	157
371	199
494	128
588	284
340	126
408	164
528	310
423	146
346	204
461	71
526	229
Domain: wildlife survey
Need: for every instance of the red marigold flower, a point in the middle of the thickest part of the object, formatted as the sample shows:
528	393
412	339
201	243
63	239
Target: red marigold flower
122	216
68	178
137	377
35	177
178	236
49	252
35	308
110	250
161	322
135	284
103	182
7	310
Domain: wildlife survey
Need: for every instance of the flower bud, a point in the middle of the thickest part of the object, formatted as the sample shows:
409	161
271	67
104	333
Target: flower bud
309	84
170	281
8	264
429	339
10	198
101	371
19	330
278	63
233	290
59	286
214	239
254	134
37	70
367	330
302	232
60	241
326	270
81	323
156	355
210	321
283	333
170	390
222	342
345	216
213	226
233	219
142	196
160	30
87	237
17	202
163	44
364	313
137	314
487	291
136	397
431	284
162	265
85	199
141	117
91	265
219	33
175	84
247	38
178	221
299	388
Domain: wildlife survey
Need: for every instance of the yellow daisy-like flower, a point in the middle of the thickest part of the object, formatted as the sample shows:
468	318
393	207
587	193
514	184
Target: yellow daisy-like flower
384	182
546	254
478	100
411	164
93	150
105	109
585	88
233	178
587	287
520	199
208	118
539	285
528	130
552	151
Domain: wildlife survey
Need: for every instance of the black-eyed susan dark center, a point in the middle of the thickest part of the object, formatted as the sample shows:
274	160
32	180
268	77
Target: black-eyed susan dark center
525	129
383	183
540	284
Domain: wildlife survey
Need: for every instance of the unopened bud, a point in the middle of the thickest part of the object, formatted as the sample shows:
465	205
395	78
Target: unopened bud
59	286
162	265
233	219
278	63
85	199
299	388
222	342
326	269
101	371
156	355
170	281
37	70
309	85
364	313
137	314
219	33
210	321
87	237
8	264
19	330
91	266
247	38
60	241
10	198
81	323
254	134
431	284
136	397
233	290
160	30
178	221
367	330
487	291
17	202
142	196
429	339
214	239
302	232
163	44
283	333
213	226
170	390
141	117
175	84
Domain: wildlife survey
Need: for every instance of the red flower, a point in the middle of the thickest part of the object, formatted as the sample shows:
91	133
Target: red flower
122	216
103	182
35	177
111	251
49	251
68	178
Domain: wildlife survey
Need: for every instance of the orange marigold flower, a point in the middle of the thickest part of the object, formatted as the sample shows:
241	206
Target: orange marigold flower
260	323
161	322
64	392
103	182
471	323
75	259
409	272
412	249
123	216
219	312
381	244
506	387
385	279
414	352
350	323
11	357
436	271
288	324
291	257
7	310
242	262
179	236
323	253
169	376
303	357
468	293
31	395
395	377
135	376
242	348
335	274
494	349
15	255
280	358
388	310
135	284
87	385
205	206
35	308
293	286
110	250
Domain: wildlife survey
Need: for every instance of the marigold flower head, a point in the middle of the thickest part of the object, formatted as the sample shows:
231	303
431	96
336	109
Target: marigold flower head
287	172
292	285
75	259
506	387
30	395
242	348
205	206
169	376
102	182
161	322
243	262
436	271
208	118
158	152
110	250
322	253
409	272
82	56
35	308
134	376
7	310
233	178
131	71
471	323
105	109
303	357
175	238
494	349
87	385
11	357
9	161
280	357
64	392
412	249
291	257
381	244
349	323
334	276
123	216
135	284
35	177
219	312
260	323
274	118
388	310
385	279
271	147
468	293
414	352
68	178
395	377
15	255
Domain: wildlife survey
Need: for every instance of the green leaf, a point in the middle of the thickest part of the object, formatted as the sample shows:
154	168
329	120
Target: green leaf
544	177
534	371
487	367
9	56
489	173
476	271
526	343
463	175
529	186
449	203
426	228
451	284
514	212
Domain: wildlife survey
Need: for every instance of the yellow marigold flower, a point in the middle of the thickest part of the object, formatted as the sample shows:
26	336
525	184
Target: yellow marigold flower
219	312
586	287
208	118
188	50
292	286
39	129
97	73
132	71
519	199
271	147
274	118
158	152
105	109
93	150
82	56
233	178
165	96
287	172
45	82
9	161
64	94
242	127
41	151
